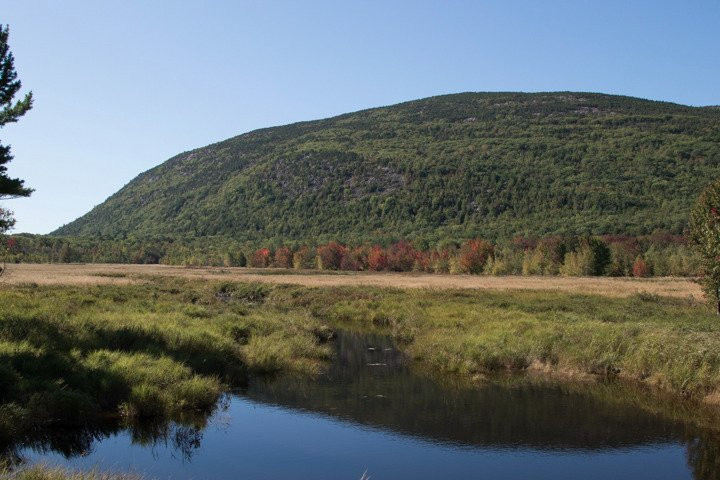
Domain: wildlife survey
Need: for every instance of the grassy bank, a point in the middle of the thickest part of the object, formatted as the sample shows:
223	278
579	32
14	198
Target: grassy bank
169	347
159	349
670	343
42	472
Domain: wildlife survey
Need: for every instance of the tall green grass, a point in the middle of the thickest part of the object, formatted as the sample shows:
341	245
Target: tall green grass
44	472
670	343
160	349
169	347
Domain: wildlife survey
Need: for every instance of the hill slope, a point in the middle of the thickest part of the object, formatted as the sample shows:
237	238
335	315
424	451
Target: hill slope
470	164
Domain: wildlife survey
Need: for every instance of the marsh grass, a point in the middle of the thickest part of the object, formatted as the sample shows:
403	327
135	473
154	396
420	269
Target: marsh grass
161	349
110	274
169	346
86	274
45	472
670	343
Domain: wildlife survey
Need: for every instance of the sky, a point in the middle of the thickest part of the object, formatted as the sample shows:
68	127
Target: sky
121	86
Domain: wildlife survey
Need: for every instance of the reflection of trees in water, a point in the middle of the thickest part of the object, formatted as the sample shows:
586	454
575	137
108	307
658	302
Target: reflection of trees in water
76	442
183	439
370	383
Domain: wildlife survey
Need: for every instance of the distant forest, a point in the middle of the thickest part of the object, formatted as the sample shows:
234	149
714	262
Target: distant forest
455	167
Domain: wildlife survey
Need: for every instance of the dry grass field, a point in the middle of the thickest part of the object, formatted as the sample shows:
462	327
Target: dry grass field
78	274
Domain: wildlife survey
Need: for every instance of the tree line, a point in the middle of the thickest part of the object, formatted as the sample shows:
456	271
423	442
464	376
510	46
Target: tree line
660	254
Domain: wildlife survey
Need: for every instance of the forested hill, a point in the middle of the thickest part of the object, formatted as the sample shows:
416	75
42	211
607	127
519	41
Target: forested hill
493	165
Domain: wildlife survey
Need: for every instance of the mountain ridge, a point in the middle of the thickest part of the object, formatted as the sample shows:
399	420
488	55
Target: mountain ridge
458	165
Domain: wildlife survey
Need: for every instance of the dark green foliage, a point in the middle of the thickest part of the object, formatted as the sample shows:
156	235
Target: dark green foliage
9	113
705	233
600	256
470	165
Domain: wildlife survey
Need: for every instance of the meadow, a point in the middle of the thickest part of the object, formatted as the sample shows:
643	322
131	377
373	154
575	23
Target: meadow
94	274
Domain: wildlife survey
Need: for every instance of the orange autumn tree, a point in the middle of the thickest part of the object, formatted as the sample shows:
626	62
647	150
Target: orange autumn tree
640	268
261	258
377	260
474	254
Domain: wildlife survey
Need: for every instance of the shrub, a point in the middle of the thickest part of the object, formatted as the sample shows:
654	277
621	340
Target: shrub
592	257
504	262
355	260
303	258
422	262
544	259
578	264
621	260
440	261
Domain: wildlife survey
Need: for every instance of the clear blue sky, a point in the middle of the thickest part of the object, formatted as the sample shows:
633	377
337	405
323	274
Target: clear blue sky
120	86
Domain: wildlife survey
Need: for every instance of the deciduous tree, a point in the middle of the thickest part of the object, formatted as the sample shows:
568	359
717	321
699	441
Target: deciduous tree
330	256
283	258
705	233
474	254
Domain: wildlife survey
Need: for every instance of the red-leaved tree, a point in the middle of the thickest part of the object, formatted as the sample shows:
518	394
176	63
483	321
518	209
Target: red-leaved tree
330	256
474	254
401	257
355	260
283	258
261	258
377	259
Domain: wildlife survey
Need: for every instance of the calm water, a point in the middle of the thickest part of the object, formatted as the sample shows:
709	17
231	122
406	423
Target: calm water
371	414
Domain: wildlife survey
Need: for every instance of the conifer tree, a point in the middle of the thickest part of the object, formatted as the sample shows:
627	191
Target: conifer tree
10	112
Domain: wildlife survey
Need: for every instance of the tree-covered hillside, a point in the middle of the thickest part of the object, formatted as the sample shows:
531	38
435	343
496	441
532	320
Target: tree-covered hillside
491	165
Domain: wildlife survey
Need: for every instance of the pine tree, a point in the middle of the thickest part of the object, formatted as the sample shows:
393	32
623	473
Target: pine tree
9	113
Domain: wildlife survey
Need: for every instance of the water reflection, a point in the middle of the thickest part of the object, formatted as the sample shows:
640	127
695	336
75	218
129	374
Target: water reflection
182	436
370	384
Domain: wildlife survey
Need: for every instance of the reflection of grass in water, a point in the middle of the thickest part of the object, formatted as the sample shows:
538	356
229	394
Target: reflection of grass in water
623	393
